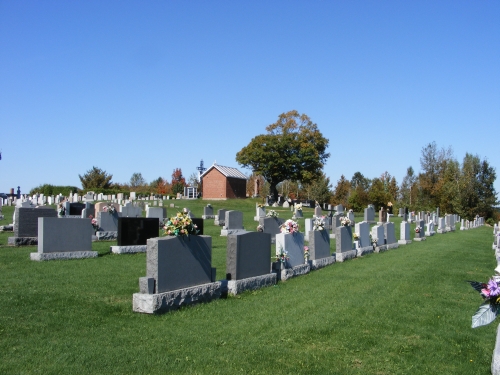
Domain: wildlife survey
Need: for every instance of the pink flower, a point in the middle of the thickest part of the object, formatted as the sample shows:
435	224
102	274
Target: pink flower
485	293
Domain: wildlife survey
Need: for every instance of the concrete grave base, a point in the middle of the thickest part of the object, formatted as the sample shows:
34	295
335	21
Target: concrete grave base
404	242
132	249
391	246
441	231
251	283
316	264
419	239
6	228
495	361
332	236
288	273
173	300
106	235
226	232
380	249
22	241
346	255
63	255
360	251
205	217
430	234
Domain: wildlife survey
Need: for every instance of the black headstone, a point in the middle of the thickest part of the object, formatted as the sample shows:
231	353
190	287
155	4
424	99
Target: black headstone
76	208
199	224
137	230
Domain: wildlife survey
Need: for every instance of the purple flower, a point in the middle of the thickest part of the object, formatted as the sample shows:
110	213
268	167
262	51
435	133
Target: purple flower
494	288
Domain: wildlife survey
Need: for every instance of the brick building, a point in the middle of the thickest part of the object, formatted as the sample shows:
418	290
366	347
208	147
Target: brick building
219	182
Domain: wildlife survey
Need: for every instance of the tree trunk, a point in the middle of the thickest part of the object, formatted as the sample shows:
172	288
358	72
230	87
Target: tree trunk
274	191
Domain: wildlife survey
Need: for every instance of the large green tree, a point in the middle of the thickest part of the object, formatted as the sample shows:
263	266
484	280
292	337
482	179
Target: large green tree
96	178
293	149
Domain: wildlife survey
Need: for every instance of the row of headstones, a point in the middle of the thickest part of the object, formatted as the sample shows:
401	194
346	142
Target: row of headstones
496	242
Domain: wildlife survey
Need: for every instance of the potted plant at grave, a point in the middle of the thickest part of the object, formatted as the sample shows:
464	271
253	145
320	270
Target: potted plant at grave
355	236
418	229
281	258
272	213
61	211
306	254
180	225
319	223
289	226
490	307
93	221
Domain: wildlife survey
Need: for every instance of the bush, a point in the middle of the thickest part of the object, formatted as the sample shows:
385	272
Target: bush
48	190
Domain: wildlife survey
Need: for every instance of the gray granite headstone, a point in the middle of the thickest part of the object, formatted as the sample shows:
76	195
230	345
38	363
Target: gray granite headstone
319	244
293	243
248	255
271	225
26	224
369	215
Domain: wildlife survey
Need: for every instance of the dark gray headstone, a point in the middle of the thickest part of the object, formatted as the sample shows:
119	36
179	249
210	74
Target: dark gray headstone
248	255
389	233
271	225
75	209
179	262
108	222
343	239
133	231
58	236
319	244
26	223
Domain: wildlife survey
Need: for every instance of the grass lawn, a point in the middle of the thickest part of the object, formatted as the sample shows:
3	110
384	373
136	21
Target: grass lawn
404	311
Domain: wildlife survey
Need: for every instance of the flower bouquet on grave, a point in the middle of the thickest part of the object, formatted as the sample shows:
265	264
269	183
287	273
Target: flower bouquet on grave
319	223
298	206
260	205
282	256
418	229
260	228
61	210
373	240
355	236
345	221
93	221
180	225
489	309
289	226
306	253
110	209
272	213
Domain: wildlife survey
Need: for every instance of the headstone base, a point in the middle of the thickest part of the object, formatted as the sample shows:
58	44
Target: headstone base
205	217
391	246
364	250
6	228
441	231
404	242
218	222
380	249
128	249
462	228
419	239
238	286
22	241
346	255
173	300
106	235
316	264
288	273
226	232
63	255
430	234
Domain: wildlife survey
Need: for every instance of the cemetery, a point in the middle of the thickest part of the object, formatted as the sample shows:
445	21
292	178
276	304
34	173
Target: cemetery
120	280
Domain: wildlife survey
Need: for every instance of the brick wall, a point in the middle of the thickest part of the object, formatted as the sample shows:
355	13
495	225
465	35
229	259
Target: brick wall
236	188
214	185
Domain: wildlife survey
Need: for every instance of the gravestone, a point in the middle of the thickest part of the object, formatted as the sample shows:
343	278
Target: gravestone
317	212
390	236
343	244
271	225
421	235
233	223
75	209
379	235
363	245
64	239
26	225
308	226
298	213
401	212
108	225
339	209
462	224
157	212
133	233
382	216
441	225
129	210
369	214
178	272
220	217
293	243
350	216
429	231
199	223
404	233
208	212
259	212
248	263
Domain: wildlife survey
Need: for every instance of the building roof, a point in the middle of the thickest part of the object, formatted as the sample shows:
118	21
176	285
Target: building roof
226	171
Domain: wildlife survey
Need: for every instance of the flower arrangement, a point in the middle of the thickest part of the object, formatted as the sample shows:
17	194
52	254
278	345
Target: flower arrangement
281	255
417	229
272	213
389	204
110	209
319	223
298	206
260	228
306	252
260	205
490	307
289	226
355	236
180	225
93	221
345	221
373	240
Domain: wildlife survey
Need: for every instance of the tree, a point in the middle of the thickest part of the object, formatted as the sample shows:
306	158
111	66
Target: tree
293	149
359	180
137	180
378	195
193	180
160	186
178	181
320	189
96	178
341	192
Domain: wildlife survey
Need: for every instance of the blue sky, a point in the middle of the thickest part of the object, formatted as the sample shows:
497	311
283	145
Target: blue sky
133	86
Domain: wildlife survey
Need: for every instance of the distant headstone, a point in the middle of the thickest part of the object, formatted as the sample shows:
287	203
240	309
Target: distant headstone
220	217
379	235
293	243
248	255
26	225
364	246
233	223
369	215
390	236
404	233
271	225
343	243
208	212
134	231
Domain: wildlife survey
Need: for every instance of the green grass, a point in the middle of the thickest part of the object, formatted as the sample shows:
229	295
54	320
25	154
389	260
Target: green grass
405	311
